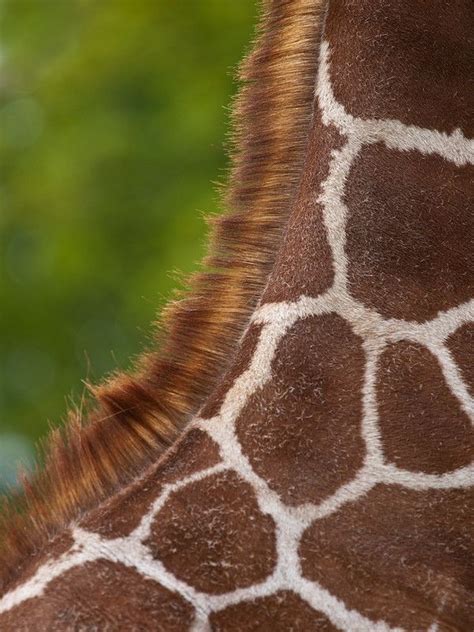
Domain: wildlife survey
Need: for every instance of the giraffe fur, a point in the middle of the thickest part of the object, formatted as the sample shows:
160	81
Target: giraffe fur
327	482
132	419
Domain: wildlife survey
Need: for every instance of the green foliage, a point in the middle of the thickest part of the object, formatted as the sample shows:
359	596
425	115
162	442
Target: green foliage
112	123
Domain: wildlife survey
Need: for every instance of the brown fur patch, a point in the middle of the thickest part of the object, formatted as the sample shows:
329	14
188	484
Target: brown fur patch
301	430
410	61
408	222
213	536
135	417
281	612
423	427
393	555
72	602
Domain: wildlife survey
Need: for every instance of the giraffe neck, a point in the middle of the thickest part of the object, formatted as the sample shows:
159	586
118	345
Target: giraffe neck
132	419
395	101
327	482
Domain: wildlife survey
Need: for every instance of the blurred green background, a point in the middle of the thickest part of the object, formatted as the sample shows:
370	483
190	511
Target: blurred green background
113	117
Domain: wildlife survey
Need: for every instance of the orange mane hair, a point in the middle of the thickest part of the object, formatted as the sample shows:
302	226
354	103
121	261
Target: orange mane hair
133	418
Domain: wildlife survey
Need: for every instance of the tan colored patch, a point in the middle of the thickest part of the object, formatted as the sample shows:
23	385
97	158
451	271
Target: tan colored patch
213	536
101	595
411	61
281	612
423	427
461	345
304	264
301	431
409	233
122	514
241	363
393	555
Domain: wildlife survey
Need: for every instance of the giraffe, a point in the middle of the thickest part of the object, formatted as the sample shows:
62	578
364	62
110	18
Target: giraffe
324	480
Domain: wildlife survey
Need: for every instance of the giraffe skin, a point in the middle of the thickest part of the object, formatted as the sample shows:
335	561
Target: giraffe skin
328	482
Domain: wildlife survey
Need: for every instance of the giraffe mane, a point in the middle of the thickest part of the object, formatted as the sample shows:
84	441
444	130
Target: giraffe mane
133	418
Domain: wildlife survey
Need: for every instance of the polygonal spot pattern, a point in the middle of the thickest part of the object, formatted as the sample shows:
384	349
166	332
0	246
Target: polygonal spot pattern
390	546
408	255
414	61
213	536
393	555
102	595
301	431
